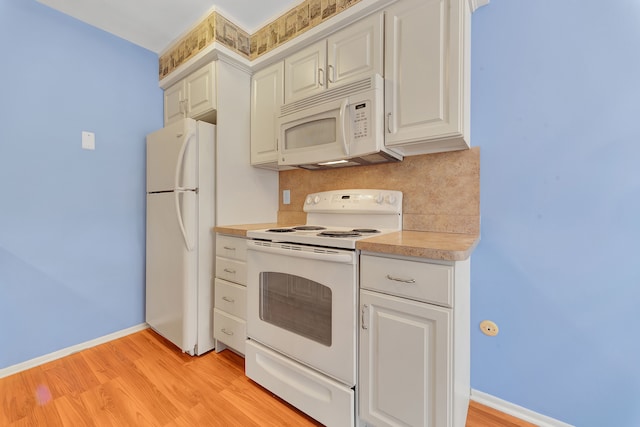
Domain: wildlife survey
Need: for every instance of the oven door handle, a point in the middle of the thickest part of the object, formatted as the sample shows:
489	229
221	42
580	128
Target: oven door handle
299	252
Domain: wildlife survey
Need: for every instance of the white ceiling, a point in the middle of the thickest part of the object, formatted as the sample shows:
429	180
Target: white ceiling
155	24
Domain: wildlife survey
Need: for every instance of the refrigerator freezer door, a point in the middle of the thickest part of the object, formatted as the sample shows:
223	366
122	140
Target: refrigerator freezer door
172	157
171	288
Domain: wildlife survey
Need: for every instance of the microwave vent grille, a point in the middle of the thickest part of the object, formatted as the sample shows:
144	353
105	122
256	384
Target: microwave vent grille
339	92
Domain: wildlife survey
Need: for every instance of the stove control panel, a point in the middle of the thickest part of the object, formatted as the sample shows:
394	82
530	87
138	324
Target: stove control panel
356	201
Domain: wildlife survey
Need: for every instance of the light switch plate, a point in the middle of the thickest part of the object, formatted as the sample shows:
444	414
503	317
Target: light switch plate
286	197
88	140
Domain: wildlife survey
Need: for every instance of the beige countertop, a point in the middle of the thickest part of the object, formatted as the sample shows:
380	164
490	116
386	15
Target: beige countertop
241	229
422	244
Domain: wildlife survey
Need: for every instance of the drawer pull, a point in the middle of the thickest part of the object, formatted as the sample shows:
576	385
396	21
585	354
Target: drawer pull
227	299
229	270
227	332
229	248
397	279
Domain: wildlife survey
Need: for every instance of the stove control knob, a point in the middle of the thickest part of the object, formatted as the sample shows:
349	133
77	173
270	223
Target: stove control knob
391	199
309	200
379	198
316	200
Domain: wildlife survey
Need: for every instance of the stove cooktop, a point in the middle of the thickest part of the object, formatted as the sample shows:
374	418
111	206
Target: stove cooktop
340	218
338	237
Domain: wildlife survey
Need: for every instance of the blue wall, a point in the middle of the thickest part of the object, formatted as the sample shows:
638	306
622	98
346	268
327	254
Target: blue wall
72	221
555	110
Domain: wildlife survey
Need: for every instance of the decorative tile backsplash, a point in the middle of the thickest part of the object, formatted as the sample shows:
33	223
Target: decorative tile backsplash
441	192
217	28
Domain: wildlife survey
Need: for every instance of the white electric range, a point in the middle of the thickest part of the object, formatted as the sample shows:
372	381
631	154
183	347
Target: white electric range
302	301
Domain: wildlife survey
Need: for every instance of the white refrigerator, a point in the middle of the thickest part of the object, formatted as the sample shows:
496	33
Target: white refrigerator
179	243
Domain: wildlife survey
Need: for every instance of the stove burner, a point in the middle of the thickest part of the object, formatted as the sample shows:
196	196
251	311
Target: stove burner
366	230
281	230
332	233
309	228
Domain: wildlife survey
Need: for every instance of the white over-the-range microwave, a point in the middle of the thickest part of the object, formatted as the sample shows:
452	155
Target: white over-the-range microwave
342	126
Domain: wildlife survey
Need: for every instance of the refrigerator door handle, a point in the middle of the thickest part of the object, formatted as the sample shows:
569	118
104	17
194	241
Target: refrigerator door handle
187	244
183	149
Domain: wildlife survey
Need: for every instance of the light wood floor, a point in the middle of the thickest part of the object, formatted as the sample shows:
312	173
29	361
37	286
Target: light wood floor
142	380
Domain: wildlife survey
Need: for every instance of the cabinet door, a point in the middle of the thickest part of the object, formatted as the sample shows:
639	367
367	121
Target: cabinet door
405	367
424	73
356	52
173	103
304	72
267	96
200	91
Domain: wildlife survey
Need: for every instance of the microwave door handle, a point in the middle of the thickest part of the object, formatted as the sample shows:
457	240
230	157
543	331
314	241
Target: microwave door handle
343	125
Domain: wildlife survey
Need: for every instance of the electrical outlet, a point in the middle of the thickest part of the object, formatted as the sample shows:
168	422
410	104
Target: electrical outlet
286	197
489	328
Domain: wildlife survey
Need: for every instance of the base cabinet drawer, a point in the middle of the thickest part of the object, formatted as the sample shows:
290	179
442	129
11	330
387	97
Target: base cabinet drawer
416	280
231	247
230	330
231	270
231	298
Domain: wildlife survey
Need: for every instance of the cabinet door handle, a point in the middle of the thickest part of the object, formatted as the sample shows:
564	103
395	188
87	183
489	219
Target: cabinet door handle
185	106
230	333
227	299
320	76
363	317
331	73
229	270
397	279
389	123
229	248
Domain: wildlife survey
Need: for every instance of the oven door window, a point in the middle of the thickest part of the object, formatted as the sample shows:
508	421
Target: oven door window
296	304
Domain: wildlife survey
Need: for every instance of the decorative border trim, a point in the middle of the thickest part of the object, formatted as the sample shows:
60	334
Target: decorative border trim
515	410
14	369
217	28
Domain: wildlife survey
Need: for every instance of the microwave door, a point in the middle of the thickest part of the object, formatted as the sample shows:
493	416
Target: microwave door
316	134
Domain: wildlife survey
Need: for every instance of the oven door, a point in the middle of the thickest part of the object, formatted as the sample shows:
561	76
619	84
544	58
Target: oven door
301	302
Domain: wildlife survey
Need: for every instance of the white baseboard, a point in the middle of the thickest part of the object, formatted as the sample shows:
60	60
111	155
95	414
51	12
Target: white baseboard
515	410
14	369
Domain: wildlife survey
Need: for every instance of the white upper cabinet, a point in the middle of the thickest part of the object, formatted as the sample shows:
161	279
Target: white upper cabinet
347	55
194	96
173	105
267	95
427	76
305	72
356	52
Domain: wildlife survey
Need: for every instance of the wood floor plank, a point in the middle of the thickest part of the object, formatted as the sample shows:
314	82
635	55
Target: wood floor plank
144	380
72	412
69	375
100	406
484	416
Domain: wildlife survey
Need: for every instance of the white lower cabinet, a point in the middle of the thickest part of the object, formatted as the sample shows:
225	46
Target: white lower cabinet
414	354
230	294
404	362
